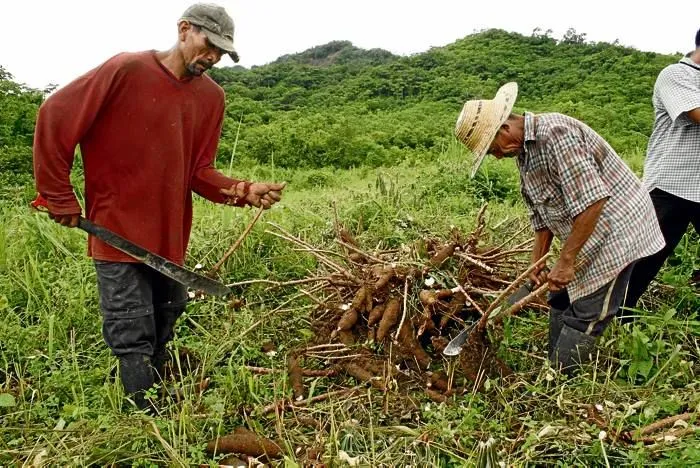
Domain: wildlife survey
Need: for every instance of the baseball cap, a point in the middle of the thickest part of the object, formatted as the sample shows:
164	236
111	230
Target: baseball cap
216	24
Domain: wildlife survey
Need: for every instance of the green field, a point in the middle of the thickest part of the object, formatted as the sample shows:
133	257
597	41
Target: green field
62	406
61	403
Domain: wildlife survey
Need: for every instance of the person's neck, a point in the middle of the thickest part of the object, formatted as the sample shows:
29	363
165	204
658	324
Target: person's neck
518	124
173	61
695	56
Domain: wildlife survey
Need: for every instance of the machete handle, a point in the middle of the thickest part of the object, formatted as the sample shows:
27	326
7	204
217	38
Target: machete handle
531	286
42	206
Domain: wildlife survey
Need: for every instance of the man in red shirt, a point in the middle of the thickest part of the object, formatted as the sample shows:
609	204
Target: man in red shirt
148	126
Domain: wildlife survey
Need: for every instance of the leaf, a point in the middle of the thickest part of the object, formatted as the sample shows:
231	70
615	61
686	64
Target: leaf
7	400
644	368
406	430
670	405
547	431
650	412
306	333
632	372
680	423
352	461
669	314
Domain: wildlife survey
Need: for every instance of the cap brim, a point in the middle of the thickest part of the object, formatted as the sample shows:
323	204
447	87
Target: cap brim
222	44
505	100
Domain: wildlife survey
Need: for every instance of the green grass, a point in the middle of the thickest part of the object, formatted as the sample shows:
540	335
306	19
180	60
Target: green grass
60	404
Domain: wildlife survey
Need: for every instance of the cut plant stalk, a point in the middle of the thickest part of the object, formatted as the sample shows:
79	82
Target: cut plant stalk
484	319
236	244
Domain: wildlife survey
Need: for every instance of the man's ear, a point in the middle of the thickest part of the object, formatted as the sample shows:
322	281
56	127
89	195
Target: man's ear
183	28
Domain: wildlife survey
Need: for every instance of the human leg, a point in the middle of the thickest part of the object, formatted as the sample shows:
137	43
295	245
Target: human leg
586	319
169	301
128	325
673	217
558	302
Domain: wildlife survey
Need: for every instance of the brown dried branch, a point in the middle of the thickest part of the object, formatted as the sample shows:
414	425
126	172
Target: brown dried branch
484	319
285	403
508	241
275	284
515	308
323	259
666	422
475	262
238	242
405	307
304	372
505	254
361	252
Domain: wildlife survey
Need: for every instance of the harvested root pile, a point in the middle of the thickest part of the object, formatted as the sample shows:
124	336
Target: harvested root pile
384	317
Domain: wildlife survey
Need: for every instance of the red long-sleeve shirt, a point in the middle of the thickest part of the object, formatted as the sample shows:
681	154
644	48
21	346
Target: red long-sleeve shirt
147	141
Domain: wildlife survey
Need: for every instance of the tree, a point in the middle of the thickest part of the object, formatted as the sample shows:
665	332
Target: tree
571	37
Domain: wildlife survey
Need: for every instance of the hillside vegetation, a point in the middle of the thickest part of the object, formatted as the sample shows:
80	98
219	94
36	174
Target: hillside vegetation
374	109
339	106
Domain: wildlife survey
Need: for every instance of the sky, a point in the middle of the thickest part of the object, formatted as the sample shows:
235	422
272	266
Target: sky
54	41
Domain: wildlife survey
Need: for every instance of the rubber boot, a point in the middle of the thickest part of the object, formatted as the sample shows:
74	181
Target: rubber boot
573	349
159	359
137	377
555	323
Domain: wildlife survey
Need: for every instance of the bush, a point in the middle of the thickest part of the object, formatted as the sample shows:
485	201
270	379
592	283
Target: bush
16	166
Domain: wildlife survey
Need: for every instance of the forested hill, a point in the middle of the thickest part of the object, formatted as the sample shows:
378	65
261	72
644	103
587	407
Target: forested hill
339	52
338	105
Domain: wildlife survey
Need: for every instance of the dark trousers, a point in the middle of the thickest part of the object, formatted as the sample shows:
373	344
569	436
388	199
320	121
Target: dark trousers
139	309
674	215
592	313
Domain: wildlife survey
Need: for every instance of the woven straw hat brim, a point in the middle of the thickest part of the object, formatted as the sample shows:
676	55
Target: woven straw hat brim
480	120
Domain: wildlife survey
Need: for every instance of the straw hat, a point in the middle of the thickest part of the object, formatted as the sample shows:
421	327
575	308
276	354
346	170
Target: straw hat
480	120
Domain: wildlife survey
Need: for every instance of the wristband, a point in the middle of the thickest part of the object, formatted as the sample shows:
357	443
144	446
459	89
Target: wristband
240	200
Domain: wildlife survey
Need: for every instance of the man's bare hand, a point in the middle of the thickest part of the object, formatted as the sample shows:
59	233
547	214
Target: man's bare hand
265	195
539	274
543	240
70	220
561	275
235	192
258	194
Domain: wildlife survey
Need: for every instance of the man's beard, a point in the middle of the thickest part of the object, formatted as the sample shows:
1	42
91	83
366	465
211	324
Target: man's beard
194	70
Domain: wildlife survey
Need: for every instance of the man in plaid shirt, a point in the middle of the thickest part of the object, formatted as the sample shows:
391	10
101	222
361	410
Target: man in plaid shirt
672	167
579	190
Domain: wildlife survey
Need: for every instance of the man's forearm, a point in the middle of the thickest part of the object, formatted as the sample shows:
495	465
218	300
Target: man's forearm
584	225
543	241
62	121
208	182
52	161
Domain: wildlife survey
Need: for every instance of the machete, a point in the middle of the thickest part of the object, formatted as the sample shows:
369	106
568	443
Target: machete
158	263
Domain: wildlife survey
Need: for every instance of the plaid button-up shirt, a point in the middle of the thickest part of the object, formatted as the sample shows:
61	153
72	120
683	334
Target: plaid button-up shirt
673	153
565	168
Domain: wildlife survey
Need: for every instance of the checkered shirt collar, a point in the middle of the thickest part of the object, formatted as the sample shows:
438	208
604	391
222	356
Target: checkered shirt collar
530	136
